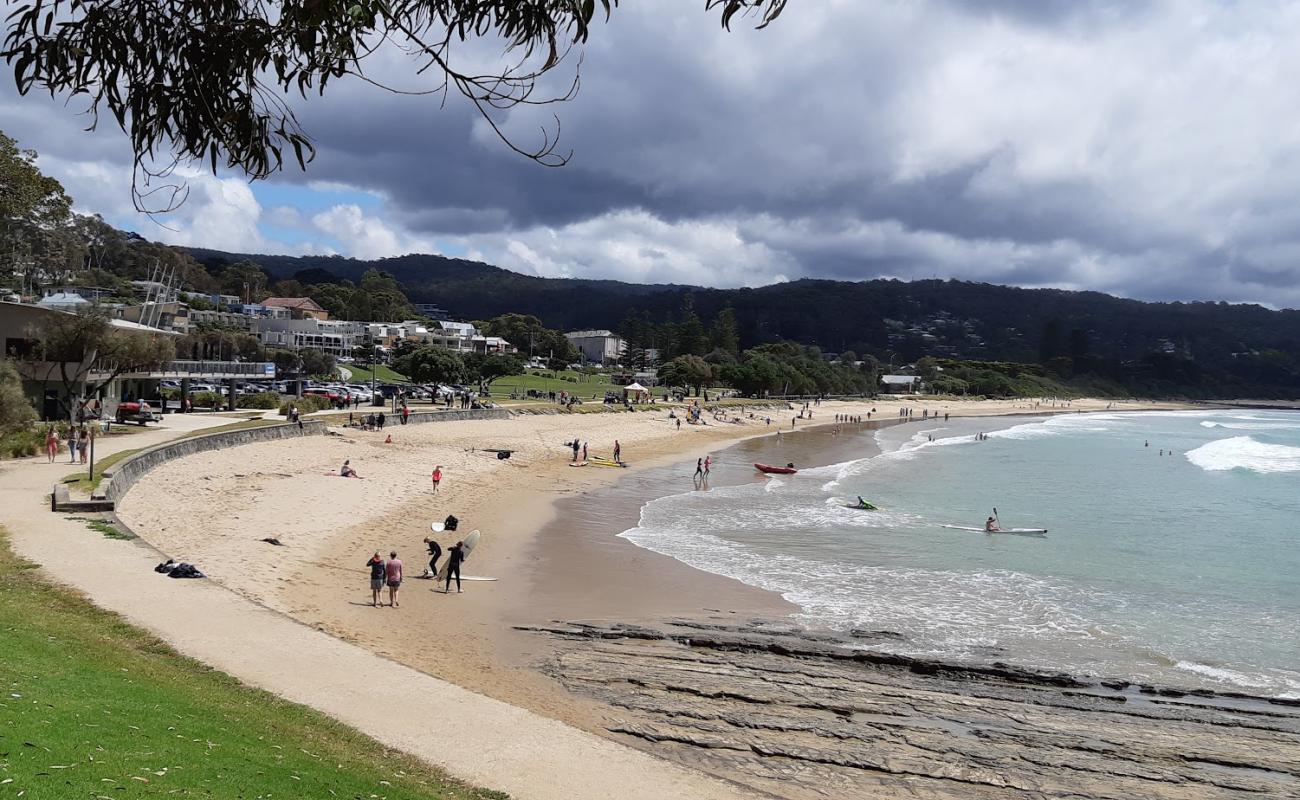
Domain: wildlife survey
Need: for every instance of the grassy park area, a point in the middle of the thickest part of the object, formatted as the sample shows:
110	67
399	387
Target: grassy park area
94	707
568	380
382	374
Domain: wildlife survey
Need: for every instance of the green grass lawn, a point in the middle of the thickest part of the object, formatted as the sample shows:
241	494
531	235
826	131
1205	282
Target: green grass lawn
582	385
382	374
93	707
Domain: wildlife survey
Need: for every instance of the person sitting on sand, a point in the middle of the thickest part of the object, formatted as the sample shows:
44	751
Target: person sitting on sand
991	525
347	471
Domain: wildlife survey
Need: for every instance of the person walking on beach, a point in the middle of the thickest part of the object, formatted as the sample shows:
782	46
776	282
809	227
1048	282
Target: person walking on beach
72	447
437	477
406	413
393	576
435	553
708	462
377	573
455	556
699	469
379	420
584	451
576	447
618	452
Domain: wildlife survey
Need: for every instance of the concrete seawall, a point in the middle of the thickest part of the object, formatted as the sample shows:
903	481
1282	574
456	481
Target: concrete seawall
453	415
119	479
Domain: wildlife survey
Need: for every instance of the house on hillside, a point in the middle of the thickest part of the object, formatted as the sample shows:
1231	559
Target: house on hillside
599	347
298	307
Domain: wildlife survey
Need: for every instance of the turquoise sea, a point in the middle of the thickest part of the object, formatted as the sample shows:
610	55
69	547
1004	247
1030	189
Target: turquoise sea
1173	555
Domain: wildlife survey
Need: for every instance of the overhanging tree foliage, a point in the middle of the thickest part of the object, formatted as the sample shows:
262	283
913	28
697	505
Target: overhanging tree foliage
208	79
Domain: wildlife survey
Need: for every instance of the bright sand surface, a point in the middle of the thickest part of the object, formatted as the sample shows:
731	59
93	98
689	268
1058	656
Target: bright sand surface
213	509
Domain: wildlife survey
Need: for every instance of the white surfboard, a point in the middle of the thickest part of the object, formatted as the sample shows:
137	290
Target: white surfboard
468	544
437	527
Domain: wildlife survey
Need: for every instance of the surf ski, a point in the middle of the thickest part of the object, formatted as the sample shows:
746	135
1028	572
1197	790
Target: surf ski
1014	531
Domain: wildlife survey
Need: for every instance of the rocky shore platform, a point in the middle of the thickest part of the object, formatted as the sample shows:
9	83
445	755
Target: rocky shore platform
795	714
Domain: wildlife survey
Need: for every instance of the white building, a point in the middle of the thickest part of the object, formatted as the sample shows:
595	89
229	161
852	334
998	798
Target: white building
901	384
599	347
336	337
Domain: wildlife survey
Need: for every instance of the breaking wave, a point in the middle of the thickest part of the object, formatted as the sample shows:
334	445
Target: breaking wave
1243	452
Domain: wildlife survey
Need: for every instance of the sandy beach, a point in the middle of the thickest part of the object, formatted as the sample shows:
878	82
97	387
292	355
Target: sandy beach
583	627
329	525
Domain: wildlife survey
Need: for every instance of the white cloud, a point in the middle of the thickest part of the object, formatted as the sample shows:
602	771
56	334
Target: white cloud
636	246
365	236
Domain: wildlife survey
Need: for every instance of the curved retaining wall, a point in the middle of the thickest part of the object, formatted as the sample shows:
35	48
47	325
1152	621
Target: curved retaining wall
450	416
119	479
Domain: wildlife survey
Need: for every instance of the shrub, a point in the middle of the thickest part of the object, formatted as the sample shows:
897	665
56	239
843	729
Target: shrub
306	404
258	400
20	444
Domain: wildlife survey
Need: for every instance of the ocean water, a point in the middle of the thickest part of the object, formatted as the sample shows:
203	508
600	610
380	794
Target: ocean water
1173	552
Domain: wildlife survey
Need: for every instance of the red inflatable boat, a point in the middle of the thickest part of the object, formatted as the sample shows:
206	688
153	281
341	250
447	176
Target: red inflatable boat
771	470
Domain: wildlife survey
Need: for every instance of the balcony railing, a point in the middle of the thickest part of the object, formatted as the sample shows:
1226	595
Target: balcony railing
256	369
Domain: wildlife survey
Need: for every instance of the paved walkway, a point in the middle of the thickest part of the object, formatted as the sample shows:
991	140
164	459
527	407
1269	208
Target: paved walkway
475	738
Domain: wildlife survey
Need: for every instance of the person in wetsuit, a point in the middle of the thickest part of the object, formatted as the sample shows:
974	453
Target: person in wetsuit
435	553
455	556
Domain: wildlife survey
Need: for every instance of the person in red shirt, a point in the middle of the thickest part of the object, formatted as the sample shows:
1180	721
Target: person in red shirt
393	572
437	477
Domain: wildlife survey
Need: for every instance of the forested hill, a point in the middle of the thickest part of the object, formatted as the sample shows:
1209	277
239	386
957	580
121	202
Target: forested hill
1195	348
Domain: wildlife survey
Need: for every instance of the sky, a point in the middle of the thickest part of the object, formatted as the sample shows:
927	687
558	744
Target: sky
1145	148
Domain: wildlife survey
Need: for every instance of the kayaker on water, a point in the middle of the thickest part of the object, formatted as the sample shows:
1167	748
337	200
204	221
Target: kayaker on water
864	504
991	525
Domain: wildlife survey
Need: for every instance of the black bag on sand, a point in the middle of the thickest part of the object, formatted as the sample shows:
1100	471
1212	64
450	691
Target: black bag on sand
450	523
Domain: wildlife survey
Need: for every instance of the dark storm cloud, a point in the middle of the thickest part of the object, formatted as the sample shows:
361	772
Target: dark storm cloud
1128	147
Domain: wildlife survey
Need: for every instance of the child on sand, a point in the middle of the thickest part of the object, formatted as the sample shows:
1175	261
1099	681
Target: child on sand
437	476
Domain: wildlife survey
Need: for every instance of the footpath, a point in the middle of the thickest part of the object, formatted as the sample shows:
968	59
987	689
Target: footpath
474	738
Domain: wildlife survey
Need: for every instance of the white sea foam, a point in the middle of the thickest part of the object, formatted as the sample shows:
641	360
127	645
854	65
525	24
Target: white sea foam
1243	452
1279	425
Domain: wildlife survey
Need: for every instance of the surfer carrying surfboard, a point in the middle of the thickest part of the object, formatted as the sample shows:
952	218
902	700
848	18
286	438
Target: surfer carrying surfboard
455	556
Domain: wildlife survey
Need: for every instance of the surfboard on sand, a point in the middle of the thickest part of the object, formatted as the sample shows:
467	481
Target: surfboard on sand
577	463
437	527
469	542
